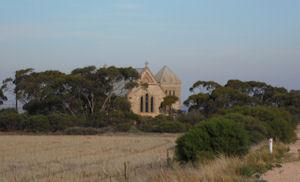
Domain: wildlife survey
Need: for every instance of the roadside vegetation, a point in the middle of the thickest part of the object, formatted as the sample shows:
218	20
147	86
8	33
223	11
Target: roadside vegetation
249	167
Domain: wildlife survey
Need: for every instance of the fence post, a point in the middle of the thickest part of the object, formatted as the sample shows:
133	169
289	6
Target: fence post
126	171
271	145
168	158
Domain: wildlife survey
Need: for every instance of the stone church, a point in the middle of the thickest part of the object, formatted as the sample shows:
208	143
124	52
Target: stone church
147	97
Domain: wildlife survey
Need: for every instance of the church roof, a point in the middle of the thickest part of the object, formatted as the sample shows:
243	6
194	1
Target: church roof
166	76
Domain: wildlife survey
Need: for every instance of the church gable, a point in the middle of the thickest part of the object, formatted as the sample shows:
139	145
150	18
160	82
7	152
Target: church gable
148	77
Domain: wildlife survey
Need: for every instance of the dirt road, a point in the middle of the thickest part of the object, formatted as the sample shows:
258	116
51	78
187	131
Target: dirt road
289	171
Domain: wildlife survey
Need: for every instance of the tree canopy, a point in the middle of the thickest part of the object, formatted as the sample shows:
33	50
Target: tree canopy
82	92
209	97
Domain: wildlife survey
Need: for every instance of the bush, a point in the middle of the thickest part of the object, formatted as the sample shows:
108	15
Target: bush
10	120
96	121
212	137
191	118
163	124
123	127
254	127
37	123
60	121
278	123
81	131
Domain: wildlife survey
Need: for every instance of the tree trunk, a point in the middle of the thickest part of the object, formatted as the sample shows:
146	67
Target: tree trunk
105	102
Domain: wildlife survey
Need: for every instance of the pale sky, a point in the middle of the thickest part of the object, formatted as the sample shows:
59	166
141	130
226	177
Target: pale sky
199	40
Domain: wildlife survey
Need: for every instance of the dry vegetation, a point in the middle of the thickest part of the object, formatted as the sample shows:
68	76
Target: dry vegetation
102	158
227	169
80	158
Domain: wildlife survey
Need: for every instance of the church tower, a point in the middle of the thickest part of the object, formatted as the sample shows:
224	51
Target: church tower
170	84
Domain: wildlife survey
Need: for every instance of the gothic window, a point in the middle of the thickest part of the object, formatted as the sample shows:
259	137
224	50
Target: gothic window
142	104
173	92
147	102
152	104
170	92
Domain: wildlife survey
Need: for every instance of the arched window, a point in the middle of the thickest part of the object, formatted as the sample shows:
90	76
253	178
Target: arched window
170	92
173	92
142	104
147	103
152	104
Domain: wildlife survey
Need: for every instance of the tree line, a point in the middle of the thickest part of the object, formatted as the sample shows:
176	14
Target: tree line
209	97
95	98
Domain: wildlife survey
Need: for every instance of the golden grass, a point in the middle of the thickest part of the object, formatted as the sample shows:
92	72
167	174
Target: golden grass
78	158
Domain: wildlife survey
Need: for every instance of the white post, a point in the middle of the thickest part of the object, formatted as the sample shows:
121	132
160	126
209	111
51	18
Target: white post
271	145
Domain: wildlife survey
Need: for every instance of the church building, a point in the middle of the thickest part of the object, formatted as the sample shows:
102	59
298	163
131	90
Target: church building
147	97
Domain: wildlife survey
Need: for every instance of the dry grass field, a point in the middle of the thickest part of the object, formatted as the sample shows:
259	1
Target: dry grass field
81	158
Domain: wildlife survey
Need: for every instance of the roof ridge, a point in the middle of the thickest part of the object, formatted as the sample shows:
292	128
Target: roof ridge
166	75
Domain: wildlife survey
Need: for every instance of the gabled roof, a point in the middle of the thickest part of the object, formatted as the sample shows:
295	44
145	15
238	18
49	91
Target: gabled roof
166	76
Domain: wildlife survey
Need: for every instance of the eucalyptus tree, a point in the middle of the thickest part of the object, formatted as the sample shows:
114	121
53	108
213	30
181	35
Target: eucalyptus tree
2	96
84	91
209	97
17	81
166	105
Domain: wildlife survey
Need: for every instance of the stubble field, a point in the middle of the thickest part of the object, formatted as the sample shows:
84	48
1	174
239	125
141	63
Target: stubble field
82	158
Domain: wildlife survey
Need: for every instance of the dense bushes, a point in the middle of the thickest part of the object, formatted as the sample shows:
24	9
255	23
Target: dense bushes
37	123
277	123
259	122
163	124
254	127
234	131
81	131
10	120
214	136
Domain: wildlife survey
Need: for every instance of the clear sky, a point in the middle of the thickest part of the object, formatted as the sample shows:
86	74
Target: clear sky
199	40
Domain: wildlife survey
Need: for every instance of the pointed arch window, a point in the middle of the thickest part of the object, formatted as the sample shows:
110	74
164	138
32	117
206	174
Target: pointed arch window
147	102
152	104
142	104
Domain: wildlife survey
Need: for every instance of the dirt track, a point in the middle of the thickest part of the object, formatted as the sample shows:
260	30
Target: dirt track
289	171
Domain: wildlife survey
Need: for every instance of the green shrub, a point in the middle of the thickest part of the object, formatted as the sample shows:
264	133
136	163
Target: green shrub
278	123
96	121
60	121
170	127
163	124
212	137
254	127
81	131
191	118
10	120
37	123
123	127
